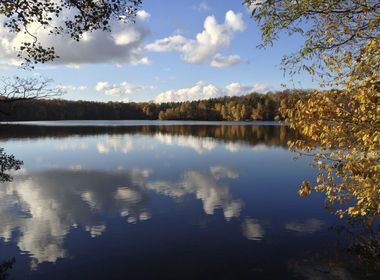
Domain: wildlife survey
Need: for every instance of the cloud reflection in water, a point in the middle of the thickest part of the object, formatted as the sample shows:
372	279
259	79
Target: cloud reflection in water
44	207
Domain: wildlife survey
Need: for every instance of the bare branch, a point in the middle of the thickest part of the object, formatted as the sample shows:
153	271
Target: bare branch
19	88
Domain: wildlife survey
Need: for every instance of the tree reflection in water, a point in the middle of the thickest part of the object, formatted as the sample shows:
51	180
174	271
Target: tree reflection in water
270	135
7	163
356	255
5	266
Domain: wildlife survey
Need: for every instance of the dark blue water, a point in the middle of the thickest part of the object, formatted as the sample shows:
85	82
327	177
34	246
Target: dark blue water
161	201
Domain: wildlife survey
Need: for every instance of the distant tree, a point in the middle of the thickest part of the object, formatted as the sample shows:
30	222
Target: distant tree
224	112
149	110
162	115
72	17
258	112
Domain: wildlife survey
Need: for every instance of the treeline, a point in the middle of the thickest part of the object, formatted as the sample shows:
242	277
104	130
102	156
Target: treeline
250	107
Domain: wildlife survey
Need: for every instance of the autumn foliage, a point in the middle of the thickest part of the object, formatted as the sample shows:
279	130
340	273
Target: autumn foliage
342	51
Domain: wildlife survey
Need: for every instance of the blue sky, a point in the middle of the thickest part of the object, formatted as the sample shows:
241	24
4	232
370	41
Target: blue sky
161	58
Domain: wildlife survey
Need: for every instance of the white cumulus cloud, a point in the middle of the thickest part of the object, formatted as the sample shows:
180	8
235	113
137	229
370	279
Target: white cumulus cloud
202	90
206	45
100	86
221	61
70	88
124	88
124	45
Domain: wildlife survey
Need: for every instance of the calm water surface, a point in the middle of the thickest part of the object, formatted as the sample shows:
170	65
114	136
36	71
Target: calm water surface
163	201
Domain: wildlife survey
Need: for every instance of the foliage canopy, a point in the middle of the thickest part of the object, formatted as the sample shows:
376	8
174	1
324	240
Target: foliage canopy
71	17
341	50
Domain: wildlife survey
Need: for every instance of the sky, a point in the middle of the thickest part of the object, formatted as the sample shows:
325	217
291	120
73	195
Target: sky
177	51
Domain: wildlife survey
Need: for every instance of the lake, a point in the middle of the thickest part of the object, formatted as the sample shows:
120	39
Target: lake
165	200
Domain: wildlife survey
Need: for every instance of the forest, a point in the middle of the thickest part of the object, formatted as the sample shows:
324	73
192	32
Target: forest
250	107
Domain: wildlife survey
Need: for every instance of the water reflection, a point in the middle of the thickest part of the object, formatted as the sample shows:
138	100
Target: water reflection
252	230
309	226
122	144
43	207
184	135
216	200
320	269
355	255
206	187
200	145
